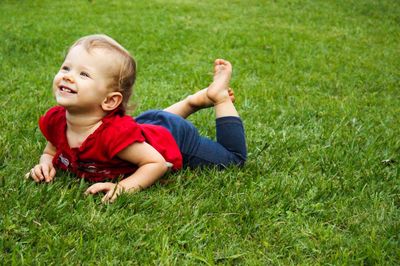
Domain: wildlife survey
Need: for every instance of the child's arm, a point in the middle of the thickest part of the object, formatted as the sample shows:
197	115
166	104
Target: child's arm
151	166
45	169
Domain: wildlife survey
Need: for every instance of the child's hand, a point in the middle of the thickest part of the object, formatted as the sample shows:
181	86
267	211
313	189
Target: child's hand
112	191
42	172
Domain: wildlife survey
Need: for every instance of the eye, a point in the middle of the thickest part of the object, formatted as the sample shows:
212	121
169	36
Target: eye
84	74
65	68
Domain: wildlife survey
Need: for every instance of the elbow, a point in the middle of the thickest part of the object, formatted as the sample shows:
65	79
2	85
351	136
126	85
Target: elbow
163	165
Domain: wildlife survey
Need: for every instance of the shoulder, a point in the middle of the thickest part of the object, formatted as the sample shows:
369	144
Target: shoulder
54	113
52	120
56	110
120	123
118	132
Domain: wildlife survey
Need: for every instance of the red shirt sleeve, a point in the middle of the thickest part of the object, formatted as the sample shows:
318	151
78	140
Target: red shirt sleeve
122	132
163	141
52	123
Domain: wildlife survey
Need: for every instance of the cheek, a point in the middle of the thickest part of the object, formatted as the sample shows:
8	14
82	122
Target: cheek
57	79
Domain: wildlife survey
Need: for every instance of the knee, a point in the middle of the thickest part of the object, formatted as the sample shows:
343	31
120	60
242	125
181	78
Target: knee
241	159
238	159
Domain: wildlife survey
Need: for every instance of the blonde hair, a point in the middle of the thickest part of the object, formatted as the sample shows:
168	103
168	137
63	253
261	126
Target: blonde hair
123	79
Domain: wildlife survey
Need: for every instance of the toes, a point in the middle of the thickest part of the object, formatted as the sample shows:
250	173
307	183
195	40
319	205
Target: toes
221	64
231	94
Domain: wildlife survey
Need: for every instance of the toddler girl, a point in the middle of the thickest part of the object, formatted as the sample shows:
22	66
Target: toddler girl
89	134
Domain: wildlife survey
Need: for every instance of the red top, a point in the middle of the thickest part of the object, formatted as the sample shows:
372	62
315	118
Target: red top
96	160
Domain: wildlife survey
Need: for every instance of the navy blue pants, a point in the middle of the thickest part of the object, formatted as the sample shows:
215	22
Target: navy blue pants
198	151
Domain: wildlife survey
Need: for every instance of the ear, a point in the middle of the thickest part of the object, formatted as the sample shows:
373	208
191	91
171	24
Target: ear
112	101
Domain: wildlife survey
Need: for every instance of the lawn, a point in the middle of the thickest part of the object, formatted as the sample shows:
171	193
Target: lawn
317	85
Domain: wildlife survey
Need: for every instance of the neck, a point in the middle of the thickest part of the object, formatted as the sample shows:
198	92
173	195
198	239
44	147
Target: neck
81	123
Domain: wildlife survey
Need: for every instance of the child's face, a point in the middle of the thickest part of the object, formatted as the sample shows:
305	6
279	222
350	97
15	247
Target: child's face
81	85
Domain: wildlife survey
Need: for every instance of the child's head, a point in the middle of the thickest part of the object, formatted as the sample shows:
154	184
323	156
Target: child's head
123	72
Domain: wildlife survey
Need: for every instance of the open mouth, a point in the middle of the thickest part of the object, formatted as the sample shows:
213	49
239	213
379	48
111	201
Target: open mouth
66	89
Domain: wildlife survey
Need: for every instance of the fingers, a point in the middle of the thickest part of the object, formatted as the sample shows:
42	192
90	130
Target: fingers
42	172
48	173
113	194
36	173
52	174
98	187
112	191
110	197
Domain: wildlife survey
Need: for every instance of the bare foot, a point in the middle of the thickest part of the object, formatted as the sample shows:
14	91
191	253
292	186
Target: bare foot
218	91
201	100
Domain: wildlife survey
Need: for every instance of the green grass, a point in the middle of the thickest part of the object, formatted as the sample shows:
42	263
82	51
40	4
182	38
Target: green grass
317	84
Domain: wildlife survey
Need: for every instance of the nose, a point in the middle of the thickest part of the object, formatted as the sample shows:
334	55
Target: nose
68	77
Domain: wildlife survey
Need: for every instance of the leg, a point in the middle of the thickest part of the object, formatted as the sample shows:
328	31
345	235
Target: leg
218	91
218	94
190	104
198	151
229	149
193	103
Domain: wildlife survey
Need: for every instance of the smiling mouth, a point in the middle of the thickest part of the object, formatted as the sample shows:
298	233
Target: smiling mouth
66	89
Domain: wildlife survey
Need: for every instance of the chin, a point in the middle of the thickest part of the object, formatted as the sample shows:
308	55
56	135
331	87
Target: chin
62	102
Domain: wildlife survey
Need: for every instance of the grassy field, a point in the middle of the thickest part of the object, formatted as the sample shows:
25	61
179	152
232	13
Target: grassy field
317	84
